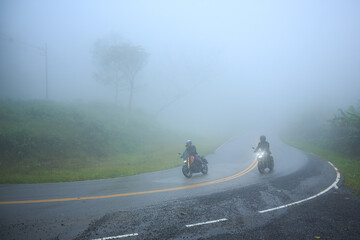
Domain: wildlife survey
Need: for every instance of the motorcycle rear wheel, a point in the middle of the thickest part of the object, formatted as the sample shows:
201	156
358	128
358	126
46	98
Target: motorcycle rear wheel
204	169
186	171
271	167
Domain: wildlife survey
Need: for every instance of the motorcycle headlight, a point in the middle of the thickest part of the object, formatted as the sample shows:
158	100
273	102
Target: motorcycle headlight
185	161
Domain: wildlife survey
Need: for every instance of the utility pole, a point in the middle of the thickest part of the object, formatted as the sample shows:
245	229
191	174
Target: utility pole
46	72
44	51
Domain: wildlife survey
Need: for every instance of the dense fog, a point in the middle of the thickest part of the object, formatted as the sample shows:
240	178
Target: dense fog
211	64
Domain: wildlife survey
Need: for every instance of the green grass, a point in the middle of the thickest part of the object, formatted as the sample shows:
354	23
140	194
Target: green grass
44	141
160	158
348	167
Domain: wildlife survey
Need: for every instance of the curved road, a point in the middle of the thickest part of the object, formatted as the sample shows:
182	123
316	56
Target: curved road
138	205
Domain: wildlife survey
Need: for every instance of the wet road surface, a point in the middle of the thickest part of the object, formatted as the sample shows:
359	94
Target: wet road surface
166	214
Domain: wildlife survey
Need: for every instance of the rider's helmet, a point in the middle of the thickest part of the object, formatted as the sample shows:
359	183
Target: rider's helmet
188	143
262	138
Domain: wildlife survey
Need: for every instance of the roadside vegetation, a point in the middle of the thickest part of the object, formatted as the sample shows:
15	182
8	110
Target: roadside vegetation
42	141
335	139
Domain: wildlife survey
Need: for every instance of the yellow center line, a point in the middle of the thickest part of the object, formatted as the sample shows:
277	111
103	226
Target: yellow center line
248	169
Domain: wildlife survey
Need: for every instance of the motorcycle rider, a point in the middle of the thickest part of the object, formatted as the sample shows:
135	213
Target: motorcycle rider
263	145
190	151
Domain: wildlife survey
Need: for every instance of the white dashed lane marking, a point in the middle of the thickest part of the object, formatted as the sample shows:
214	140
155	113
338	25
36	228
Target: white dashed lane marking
208	222
117	237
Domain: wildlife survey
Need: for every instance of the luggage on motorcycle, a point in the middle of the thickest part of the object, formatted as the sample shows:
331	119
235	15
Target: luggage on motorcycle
192	158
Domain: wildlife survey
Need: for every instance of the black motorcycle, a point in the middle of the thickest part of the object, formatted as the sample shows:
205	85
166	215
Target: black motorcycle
192	165
265	160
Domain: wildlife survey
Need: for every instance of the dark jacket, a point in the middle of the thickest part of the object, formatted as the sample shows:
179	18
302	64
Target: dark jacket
190	151
265	146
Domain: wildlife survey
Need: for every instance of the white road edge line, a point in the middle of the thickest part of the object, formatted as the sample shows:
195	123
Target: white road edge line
334	185
119	236
208	222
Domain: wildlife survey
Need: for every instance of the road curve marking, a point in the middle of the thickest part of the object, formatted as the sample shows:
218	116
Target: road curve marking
248	169
333	185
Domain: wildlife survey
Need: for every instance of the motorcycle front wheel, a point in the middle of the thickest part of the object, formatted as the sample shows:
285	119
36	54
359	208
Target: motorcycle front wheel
186	171
261	167
204	169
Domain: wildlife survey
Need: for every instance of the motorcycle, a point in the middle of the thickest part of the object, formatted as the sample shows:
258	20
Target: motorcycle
265	160
194	166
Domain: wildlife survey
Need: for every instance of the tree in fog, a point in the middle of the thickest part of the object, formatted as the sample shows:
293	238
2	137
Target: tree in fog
119	64
346	127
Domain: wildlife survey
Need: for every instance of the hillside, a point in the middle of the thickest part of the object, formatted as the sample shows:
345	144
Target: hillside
48	142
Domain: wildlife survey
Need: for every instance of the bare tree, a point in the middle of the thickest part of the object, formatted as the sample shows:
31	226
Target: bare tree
119	63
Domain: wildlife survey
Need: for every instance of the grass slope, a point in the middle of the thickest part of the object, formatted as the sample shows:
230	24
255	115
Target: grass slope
44	141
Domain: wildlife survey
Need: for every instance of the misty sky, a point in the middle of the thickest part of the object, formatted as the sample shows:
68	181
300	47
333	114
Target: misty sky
234	59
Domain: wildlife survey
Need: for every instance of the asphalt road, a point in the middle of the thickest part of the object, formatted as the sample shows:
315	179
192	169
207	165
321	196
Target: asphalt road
226	202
